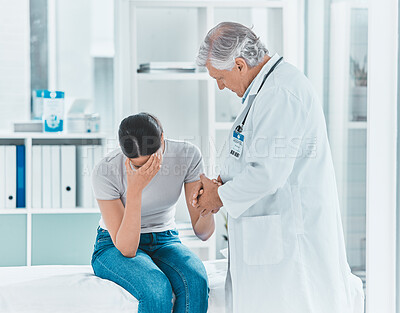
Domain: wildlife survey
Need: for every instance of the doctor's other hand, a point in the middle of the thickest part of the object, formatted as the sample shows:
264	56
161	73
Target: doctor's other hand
209	201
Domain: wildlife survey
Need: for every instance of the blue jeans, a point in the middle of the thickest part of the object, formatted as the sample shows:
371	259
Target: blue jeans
162	264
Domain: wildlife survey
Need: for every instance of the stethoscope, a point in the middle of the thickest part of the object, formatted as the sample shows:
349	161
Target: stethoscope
239	128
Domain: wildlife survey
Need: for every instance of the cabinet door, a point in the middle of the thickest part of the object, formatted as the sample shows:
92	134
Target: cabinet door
13	240
63	239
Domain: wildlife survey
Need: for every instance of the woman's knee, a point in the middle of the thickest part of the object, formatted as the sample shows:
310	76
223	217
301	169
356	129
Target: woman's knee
150	287
159	292
197	291
198	280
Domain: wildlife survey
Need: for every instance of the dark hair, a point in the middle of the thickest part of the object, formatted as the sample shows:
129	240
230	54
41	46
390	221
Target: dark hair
140	135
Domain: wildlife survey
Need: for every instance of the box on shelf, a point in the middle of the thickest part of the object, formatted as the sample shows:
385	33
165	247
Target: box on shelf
35	126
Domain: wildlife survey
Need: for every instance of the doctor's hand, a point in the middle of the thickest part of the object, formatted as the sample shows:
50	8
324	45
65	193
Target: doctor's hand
209	201
198	191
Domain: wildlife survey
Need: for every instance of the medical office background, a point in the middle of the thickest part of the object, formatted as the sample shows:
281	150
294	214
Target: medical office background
91	50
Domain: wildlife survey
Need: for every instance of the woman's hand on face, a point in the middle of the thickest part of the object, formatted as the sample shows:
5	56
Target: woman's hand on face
142	176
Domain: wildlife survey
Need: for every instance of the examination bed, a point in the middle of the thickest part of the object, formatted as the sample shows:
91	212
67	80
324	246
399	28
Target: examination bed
62	289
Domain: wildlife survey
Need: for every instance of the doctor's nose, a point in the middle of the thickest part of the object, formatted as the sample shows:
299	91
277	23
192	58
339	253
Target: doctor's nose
221	85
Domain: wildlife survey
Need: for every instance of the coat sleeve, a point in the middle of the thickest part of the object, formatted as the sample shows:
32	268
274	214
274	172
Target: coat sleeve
279	119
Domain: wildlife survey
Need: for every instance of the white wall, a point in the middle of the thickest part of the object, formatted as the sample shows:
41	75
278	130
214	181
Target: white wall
14	62
74	64
102	28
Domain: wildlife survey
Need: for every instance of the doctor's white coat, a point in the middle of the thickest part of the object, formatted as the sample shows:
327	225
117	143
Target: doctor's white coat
286	245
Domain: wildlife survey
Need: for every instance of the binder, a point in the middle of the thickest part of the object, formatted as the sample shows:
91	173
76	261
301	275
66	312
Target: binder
84	162
55	177
11	176
46	177
36	176
2	177
21	176
98	154
68	176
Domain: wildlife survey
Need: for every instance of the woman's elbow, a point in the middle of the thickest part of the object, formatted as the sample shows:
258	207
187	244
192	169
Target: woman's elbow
127	253
205	236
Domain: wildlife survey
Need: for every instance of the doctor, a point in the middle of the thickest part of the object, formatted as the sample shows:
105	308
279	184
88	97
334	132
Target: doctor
286	245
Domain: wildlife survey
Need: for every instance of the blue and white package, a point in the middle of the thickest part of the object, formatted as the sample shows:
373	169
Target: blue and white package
53	110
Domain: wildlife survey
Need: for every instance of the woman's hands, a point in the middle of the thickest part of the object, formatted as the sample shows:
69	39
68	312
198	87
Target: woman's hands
140	177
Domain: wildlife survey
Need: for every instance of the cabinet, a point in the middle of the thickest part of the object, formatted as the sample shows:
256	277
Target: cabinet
187	104
37	235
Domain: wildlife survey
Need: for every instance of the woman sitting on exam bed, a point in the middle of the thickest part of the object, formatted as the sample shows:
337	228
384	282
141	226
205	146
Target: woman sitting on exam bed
137	245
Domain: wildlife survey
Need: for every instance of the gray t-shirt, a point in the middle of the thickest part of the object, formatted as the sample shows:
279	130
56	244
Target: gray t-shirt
182	163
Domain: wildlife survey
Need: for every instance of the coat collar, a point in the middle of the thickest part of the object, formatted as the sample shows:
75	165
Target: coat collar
255	84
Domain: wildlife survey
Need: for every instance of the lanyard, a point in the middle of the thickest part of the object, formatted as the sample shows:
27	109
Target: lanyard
239	128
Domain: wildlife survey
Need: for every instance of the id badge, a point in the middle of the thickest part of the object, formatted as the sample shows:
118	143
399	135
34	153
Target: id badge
237	145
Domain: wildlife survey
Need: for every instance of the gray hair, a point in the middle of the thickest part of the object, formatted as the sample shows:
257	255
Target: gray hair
228	41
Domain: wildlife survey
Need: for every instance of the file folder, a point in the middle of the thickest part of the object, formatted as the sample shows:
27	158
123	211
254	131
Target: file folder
47	189
2	177
84	171
11	177
21	176
55	177
98	154
36	176
68	176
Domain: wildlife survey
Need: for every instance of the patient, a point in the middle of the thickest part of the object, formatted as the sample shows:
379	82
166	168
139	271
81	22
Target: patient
137	245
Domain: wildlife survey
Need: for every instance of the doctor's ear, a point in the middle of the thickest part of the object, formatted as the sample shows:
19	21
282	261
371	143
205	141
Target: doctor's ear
241	65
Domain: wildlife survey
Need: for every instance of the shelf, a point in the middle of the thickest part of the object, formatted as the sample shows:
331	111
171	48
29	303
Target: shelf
50	211
13	211
223	125
61	135
173	76
102	50
207	3
357	125
65	211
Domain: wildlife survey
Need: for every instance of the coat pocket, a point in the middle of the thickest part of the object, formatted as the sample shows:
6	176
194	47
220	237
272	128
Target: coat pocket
262	240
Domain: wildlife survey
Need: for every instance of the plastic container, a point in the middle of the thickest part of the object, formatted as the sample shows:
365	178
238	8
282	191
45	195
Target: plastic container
94	123
83	123
76	123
